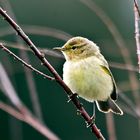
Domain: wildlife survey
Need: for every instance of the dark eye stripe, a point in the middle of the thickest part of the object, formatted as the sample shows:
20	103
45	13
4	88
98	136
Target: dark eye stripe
74	47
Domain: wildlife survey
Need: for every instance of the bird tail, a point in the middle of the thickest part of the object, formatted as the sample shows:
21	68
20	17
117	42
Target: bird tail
109	105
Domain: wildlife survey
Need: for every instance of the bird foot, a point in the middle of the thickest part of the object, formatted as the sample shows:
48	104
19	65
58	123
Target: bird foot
90	122
72	97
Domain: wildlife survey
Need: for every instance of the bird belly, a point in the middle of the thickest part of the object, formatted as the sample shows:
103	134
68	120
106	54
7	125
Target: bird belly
88	80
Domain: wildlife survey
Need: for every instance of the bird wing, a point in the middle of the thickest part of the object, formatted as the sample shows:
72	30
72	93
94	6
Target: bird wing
105	67
114	94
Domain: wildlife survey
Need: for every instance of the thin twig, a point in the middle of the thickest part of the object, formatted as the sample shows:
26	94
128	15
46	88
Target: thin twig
44	61
137	34
24	63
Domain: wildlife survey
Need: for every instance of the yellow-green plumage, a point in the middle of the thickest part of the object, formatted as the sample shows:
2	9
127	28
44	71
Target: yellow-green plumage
87	73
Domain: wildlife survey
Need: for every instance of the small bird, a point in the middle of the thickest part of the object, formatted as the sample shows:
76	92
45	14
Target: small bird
87	73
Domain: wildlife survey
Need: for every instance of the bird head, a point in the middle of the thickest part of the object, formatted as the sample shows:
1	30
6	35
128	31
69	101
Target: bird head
78	48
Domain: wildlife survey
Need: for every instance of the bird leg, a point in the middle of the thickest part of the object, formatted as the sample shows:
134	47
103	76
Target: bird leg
92	119
72	97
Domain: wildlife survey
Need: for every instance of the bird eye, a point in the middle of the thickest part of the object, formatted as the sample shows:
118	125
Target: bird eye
74	47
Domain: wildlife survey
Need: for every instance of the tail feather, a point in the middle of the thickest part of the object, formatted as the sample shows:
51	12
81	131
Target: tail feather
109	105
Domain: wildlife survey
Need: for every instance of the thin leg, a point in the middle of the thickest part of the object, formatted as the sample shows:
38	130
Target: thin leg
94	112
92	119
73	96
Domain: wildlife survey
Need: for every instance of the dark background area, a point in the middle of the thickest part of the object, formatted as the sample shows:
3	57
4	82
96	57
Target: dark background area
75	18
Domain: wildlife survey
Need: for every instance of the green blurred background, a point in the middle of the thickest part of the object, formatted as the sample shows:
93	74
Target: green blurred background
75	18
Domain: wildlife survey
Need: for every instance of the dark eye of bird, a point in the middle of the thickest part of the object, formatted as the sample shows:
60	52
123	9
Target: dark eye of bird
74	47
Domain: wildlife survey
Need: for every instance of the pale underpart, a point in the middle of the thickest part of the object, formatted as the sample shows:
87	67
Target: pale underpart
87	78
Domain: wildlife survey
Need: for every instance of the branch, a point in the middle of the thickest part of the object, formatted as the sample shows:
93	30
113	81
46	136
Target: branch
137	35
24	63
44	61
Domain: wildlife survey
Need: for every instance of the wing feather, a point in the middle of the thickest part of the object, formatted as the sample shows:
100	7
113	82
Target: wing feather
114	94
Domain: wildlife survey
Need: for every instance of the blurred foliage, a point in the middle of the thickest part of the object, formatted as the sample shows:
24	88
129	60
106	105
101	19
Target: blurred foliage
76	19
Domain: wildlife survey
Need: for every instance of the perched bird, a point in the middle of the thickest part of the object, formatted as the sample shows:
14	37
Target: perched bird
87	73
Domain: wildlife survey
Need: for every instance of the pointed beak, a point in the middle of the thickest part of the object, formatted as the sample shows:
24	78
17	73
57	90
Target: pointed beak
59	48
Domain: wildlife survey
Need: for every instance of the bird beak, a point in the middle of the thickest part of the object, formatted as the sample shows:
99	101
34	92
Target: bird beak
59	48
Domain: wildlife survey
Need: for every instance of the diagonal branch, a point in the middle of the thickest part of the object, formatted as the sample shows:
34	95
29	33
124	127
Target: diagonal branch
44	61
24	63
